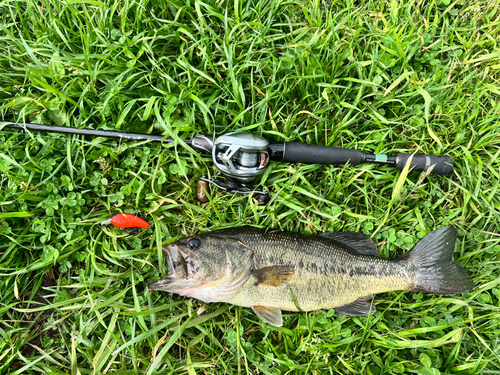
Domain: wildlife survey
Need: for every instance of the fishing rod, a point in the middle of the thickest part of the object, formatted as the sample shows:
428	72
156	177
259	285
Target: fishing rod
243	157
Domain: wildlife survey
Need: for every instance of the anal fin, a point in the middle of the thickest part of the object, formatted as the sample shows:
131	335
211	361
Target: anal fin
362	306
270	315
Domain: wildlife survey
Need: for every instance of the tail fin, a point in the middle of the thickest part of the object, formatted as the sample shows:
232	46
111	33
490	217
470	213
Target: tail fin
435	270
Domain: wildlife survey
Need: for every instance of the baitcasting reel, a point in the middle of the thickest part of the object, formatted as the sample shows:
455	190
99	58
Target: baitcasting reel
241	157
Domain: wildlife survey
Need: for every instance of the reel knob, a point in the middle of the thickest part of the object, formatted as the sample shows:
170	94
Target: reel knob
263	199
202	188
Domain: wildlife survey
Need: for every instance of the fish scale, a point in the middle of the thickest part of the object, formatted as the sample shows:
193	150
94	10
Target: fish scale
317	284
275	271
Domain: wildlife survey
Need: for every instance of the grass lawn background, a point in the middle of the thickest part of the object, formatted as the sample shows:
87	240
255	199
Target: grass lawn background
379	76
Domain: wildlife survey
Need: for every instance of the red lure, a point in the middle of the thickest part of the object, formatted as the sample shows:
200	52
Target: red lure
126	221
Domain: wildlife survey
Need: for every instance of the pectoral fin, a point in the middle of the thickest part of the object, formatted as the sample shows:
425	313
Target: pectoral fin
270	315
362	306
277	276
358	242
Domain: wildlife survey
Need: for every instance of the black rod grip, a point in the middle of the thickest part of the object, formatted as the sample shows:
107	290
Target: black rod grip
315	154
420	162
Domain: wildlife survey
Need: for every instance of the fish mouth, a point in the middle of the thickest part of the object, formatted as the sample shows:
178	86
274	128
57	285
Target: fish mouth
181	268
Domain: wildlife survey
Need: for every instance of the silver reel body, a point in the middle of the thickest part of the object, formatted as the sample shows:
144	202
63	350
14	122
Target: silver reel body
241	157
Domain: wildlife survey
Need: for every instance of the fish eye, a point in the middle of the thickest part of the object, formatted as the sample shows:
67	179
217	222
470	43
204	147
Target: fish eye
194	243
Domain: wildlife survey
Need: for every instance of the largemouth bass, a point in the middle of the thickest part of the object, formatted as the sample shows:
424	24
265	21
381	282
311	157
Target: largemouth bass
275	271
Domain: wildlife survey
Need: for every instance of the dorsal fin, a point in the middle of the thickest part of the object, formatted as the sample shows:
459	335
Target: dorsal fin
358	242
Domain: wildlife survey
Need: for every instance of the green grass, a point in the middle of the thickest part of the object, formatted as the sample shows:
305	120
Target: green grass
385	77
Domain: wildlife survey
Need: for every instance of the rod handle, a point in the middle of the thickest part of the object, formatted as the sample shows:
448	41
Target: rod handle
315	154
420	162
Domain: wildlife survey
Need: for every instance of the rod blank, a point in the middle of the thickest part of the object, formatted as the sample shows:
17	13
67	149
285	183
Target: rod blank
89	132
